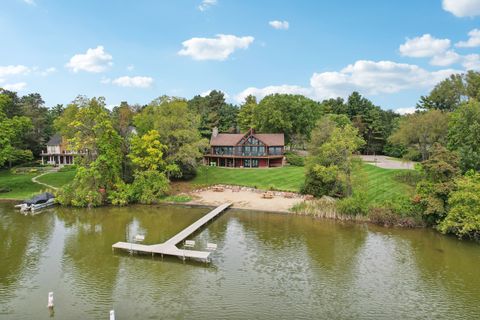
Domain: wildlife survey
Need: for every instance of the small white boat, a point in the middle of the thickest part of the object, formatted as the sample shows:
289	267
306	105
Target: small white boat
41	201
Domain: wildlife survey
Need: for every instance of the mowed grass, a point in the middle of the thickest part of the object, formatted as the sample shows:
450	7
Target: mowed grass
58	179
21	185
380	184
288	178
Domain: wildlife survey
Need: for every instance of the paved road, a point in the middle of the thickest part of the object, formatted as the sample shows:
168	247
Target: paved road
388	163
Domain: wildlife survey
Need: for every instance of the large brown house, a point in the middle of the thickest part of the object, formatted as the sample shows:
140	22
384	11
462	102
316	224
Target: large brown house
249	150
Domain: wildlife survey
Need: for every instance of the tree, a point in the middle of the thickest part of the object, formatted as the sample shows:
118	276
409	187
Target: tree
122	119
147	151
10	132
294	115
419	131
99	170
464	135
177	127
445	96
463	218
331	158
247	113
33	107
214	112
433	190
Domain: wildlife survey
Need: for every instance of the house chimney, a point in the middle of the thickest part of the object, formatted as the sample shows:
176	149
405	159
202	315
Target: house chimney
214	132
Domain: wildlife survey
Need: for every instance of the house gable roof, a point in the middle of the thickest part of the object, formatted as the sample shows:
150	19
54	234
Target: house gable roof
55	140
232	139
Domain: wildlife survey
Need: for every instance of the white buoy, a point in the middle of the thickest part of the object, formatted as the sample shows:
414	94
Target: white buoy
50	300
112	314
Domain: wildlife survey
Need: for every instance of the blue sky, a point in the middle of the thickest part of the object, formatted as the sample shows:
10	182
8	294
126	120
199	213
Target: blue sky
390	51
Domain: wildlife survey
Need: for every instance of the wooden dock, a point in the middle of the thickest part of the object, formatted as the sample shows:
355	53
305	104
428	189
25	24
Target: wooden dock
169	247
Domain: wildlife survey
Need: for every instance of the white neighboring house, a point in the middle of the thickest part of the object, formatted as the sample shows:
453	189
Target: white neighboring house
57	153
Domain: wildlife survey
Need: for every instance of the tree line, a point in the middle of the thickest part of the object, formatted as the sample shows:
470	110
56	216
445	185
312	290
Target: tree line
132	151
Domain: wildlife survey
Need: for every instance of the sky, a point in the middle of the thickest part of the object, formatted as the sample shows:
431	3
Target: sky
392	52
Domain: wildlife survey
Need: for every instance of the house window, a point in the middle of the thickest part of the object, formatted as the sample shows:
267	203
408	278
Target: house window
246	163
254	163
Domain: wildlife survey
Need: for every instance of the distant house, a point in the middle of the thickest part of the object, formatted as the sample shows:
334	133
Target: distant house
57	152
249	150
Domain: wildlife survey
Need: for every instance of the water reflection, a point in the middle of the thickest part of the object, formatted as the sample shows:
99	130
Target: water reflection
23	240
266	266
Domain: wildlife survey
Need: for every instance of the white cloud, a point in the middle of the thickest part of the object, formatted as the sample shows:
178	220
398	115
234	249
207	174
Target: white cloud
279	25
219	48
130	67
19	86
30	2
368	77
12	70
374	77
424	46
206	4
462	8
135	82
94	60
407	110
446	58
262	92
105	80
473	40
472	62
48	71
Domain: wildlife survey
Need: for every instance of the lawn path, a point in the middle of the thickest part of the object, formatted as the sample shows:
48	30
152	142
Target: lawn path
34	180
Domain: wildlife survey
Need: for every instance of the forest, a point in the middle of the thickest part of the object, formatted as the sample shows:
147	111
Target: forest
131	152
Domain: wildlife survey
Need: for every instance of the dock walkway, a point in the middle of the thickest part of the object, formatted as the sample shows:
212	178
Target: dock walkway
169	247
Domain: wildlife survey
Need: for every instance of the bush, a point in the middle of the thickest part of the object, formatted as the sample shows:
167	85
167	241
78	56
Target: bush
410	177
354	205
121	195
294	159
463	218
149	187
321	180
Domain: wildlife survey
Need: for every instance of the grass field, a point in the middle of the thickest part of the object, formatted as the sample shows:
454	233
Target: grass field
58	179
380	184
21	185
288	178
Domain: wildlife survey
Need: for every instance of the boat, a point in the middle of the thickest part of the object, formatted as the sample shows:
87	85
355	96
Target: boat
38	202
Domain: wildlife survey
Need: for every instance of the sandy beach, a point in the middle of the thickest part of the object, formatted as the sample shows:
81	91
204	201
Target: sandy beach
244	199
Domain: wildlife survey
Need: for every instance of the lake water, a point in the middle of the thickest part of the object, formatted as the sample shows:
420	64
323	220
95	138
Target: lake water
267	266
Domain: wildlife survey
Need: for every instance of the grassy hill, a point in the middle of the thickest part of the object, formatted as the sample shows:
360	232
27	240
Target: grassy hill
379	184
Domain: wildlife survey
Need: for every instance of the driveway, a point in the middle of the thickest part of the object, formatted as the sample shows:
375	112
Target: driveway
388	162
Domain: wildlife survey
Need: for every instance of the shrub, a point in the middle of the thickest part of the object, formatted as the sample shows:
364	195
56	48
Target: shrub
321	180
294	159
121	195
354	205
410	177
149	187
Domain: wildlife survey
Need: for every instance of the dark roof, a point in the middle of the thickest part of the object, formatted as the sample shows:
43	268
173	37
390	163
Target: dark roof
232	139
55	140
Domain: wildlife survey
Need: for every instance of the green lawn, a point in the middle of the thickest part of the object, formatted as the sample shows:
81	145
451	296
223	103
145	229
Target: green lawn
58	179
287	178
380	184
21	185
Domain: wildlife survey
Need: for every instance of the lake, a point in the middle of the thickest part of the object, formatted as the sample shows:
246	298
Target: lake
266	266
